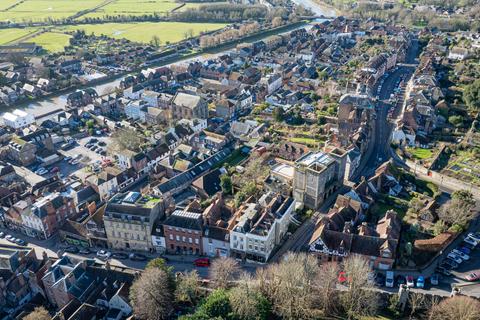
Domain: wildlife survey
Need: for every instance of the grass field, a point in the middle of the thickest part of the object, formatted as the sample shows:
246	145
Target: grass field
144	31
192	5
420	154
12	34
4	4
39	10
52	41
134	7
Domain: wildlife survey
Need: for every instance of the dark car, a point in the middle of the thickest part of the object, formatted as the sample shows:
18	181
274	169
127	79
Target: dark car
400	280
379	280
84	251
443	271
137	257
71	249
2	234
102	144
119	255
468	245
93	140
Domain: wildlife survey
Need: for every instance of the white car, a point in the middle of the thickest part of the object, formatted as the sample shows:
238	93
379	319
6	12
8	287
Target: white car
461	254
474	237
103	254
470	241
455	258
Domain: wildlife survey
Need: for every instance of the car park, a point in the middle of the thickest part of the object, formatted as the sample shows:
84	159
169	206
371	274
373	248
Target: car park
461	254
434	279
455	258
473	276
421	282
468	245
103	254
410	281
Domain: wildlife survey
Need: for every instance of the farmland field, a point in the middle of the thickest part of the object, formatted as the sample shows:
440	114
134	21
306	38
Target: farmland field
40	10
12	34
134	8
144	31
52	41
4	4
195	5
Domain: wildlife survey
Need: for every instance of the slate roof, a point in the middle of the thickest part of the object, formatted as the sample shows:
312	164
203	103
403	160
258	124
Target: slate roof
210	182
185	220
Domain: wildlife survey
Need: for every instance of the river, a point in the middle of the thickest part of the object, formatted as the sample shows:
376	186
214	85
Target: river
44	108
317	8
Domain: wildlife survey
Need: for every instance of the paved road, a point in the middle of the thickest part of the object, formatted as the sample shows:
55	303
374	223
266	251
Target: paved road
383	128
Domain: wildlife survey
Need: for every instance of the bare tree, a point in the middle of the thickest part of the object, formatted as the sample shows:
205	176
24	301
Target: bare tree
223	271
40	313
326	282
359	299
277	22
291	287
416	301
247	301
188	288
151	295
459	210
458	308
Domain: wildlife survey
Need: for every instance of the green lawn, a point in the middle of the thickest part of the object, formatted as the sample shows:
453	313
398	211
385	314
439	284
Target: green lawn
4	4
306	141
12	34
39	10
52	41
134	8
420	154
192	5
144	31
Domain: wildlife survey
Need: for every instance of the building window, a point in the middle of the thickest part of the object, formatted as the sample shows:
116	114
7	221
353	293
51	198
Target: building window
178	237
171	236
170	228
190	240
184	239
196	241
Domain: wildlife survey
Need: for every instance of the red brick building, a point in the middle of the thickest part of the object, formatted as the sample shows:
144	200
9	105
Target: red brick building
183	232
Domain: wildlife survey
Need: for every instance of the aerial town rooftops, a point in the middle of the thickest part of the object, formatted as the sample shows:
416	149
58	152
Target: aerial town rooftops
317	161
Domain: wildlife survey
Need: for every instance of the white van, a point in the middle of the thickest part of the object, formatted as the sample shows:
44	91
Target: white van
389	279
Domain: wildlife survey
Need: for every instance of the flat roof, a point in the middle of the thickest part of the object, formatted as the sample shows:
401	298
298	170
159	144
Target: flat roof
284	170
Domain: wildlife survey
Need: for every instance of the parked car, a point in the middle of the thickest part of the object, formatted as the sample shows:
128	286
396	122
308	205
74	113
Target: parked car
474	276
119	255
434	279
461	254
202	262
400	280
449	263
67	158
11	238
468	245
470	241
380	280
421	282
21	242
103	254
137	257
410	281
71	249
474	236
2	234
443	271
102	144
465	250
455	258
84	250
74	162
54	170
389	279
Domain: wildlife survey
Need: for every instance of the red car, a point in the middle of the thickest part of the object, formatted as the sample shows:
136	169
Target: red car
202	262
474	276
54	170
342	277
